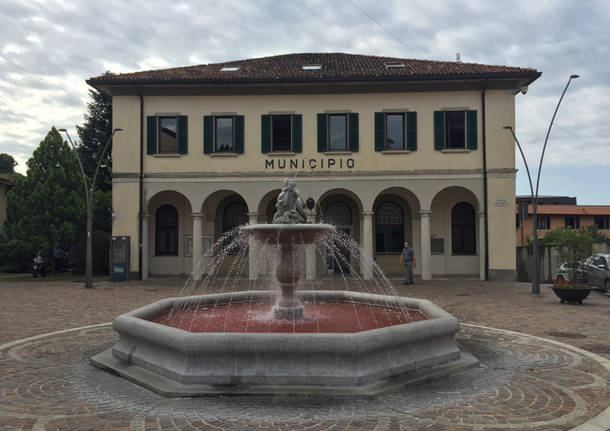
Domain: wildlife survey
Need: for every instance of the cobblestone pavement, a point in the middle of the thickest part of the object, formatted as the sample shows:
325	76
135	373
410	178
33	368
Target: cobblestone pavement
524	383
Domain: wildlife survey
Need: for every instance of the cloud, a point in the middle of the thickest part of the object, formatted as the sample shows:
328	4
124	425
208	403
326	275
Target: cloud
56	45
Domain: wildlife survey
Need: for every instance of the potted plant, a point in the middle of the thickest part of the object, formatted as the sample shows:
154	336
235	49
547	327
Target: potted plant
574	246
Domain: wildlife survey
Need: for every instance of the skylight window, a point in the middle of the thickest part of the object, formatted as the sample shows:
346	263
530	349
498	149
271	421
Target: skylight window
393	64
311	67
229	68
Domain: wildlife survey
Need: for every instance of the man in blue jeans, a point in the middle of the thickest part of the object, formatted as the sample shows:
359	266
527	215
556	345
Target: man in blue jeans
408	257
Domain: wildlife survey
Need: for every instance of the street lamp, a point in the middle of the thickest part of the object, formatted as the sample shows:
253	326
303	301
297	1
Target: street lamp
535	258
89	199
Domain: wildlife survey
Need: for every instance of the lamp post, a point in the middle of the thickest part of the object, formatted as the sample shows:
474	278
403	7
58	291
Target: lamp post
535	257
89	199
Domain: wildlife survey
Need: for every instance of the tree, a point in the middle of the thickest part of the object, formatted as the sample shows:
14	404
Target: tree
7	164
93	136
574	246
46	208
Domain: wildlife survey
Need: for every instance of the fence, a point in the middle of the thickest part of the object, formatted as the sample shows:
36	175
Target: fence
548	263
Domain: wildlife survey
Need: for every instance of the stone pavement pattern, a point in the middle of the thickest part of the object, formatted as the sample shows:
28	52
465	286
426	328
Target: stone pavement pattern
525	383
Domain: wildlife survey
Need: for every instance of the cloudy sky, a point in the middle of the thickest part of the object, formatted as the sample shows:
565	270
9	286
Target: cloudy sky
49	48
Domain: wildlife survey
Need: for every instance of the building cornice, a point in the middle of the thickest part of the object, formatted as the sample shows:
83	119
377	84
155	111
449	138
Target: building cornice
474	173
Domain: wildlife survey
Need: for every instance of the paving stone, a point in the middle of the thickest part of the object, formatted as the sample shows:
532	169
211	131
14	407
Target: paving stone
523	384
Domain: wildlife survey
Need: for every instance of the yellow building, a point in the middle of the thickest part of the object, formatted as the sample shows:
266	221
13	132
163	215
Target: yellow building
389	149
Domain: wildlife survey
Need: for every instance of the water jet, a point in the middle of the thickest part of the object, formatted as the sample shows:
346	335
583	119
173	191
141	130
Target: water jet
292	336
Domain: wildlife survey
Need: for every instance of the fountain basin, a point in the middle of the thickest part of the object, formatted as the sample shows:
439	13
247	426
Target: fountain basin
301	233
175	362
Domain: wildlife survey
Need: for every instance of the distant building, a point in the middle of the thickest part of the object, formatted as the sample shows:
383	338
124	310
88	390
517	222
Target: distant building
6	183
389	149
552	216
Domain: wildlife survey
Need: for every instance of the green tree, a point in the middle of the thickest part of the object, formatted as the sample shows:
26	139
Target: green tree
46	208
574	246
94	134
7	164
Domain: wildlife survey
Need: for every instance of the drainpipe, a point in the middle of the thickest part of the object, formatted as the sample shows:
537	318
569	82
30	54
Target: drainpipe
140	186
485	185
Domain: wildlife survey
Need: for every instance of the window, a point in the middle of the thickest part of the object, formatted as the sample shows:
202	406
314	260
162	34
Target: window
311	67
393	65
229	69
389	228
281	133
601	222
338	214
166	233
224	134
463	232
395	131
455	130
544	222
166	134
235	214
572	222
337	132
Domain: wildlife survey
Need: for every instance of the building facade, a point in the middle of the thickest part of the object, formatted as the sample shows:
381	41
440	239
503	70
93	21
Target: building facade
389	149
563	216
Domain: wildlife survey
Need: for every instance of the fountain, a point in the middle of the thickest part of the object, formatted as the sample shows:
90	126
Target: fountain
289	339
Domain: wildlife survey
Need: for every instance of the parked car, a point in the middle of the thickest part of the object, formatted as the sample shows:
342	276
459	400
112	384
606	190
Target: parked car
598	270
563	272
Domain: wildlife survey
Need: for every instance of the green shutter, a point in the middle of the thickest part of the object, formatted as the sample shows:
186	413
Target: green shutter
151	135
353	132
208	134
439	130
322	133
238	125
182	134
412	131
471	130
266	133
379	131
297	133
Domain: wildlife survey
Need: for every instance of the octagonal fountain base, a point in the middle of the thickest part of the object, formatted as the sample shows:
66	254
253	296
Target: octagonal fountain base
175	362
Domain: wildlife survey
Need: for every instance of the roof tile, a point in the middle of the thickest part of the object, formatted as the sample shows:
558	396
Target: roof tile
335	67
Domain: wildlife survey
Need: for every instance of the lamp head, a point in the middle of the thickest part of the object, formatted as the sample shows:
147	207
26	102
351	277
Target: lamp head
507	127
574	76
61	130
117	129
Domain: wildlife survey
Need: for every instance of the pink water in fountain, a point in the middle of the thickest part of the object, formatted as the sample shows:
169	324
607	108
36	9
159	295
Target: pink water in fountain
318	317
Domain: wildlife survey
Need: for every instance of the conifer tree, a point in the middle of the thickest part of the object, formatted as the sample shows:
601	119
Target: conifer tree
46	208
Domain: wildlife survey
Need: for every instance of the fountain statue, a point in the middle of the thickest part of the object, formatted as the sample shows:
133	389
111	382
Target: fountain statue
290	208
281	334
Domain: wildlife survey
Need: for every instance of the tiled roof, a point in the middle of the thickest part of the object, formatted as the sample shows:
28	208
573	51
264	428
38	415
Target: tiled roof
571	209
334	67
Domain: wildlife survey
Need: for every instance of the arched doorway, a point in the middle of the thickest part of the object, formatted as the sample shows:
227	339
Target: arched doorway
454	232
169	227
343	211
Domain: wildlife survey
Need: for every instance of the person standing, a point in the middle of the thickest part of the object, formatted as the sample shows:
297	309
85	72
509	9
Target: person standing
408	257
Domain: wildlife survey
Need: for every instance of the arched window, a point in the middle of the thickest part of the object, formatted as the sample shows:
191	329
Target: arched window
463	232
338	214
389	228
166	237
235	214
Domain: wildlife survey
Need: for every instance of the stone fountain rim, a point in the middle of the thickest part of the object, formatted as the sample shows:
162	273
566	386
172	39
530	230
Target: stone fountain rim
138	322
289	227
